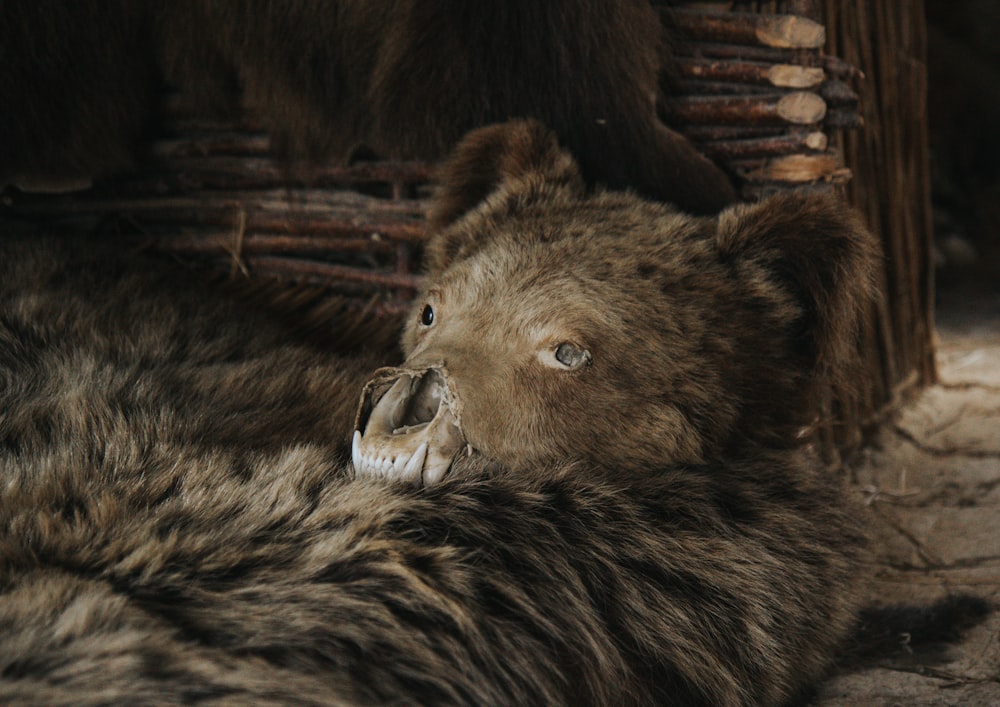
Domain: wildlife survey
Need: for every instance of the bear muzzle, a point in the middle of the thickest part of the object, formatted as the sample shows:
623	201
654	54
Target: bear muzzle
408	426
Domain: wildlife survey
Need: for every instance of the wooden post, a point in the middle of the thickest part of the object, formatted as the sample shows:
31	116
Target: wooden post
886	40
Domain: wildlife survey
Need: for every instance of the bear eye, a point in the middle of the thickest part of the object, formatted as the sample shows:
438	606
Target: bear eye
572	357
427	315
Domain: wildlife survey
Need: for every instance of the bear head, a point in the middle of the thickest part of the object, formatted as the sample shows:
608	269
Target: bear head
557	324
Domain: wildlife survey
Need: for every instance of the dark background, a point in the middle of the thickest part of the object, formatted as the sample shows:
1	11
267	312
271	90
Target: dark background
963	59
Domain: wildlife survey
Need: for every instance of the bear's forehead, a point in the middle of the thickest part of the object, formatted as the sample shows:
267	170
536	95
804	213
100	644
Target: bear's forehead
570	302
616	214
539	254
587	264
563	268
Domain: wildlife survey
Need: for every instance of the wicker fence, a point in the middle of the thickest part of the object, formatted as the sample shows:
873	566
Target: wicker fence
793	94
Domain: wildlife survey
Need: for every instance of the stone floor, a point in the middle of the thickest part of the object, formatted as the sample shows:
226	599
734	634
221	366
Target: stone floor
931	483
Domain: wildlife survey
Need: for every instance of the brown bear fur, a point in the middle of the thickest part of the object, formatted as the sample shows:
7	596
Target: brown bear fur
725	331
212	368
177	523
403	78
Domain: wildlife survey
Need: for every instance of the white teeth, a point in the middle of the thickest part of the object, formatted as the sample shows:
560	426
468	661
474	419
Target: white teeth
356	458
435	472
382	415
401	465
416	463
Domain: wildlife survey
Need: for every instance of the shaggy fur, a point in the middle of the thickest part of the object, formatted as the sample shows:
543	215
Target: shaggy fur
177	523
706	335
403	78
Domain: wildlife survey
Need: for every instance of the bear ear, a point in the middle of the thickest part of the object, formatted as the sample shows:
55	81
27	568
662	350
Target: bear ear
814	249
509	161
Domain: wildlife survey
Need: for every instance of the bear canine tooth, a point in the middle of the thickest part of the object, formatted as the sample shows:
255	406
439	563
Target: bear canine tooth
436	471
381	420
356	458
416	463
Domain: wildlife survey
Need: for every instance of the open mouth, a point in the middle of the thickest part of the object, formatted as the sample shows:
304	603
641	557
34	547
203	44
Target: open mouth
407	426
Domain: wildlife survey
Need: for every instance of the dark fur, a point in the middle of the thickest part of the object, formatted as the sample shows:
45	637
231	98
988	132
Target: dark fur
706	333
177	523
77	81
404	78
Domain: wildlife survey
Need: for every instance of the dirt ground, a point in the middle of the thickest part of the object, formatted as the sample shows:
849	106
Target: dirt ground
931	483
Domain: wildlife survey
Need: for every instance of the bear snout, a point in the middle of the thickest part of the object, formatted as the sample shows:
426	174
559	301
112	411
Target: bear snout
408	426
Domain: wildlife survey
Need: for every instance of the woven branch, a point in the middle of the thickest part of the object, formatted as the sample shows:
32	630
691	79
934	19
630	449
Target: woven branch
218	171
792	169
305	212
784	144
701	134
221	242
319	272
738	52
692	89
750	72
833	66
799	108
776	31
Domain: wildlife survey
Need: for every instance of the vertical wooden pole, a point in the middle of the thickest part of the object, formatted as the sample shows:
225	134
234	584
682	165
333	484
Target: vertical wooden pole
889	158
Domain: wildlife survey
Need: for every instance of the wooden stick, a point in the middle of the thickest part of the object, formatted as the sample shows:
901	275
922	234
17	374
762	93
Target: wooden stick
391	227
302	228
788	143
790	31
185	174
324	273
221	242
838	94
781	75
834	66
320	175
799	107
709	133
217	207
379	223
738	52
688	88
792	76
794	169
778	31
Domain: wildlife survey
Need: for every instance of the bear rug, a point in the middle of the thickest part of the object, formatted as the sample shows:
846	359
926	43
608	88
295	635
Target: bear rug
632	519
179	525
